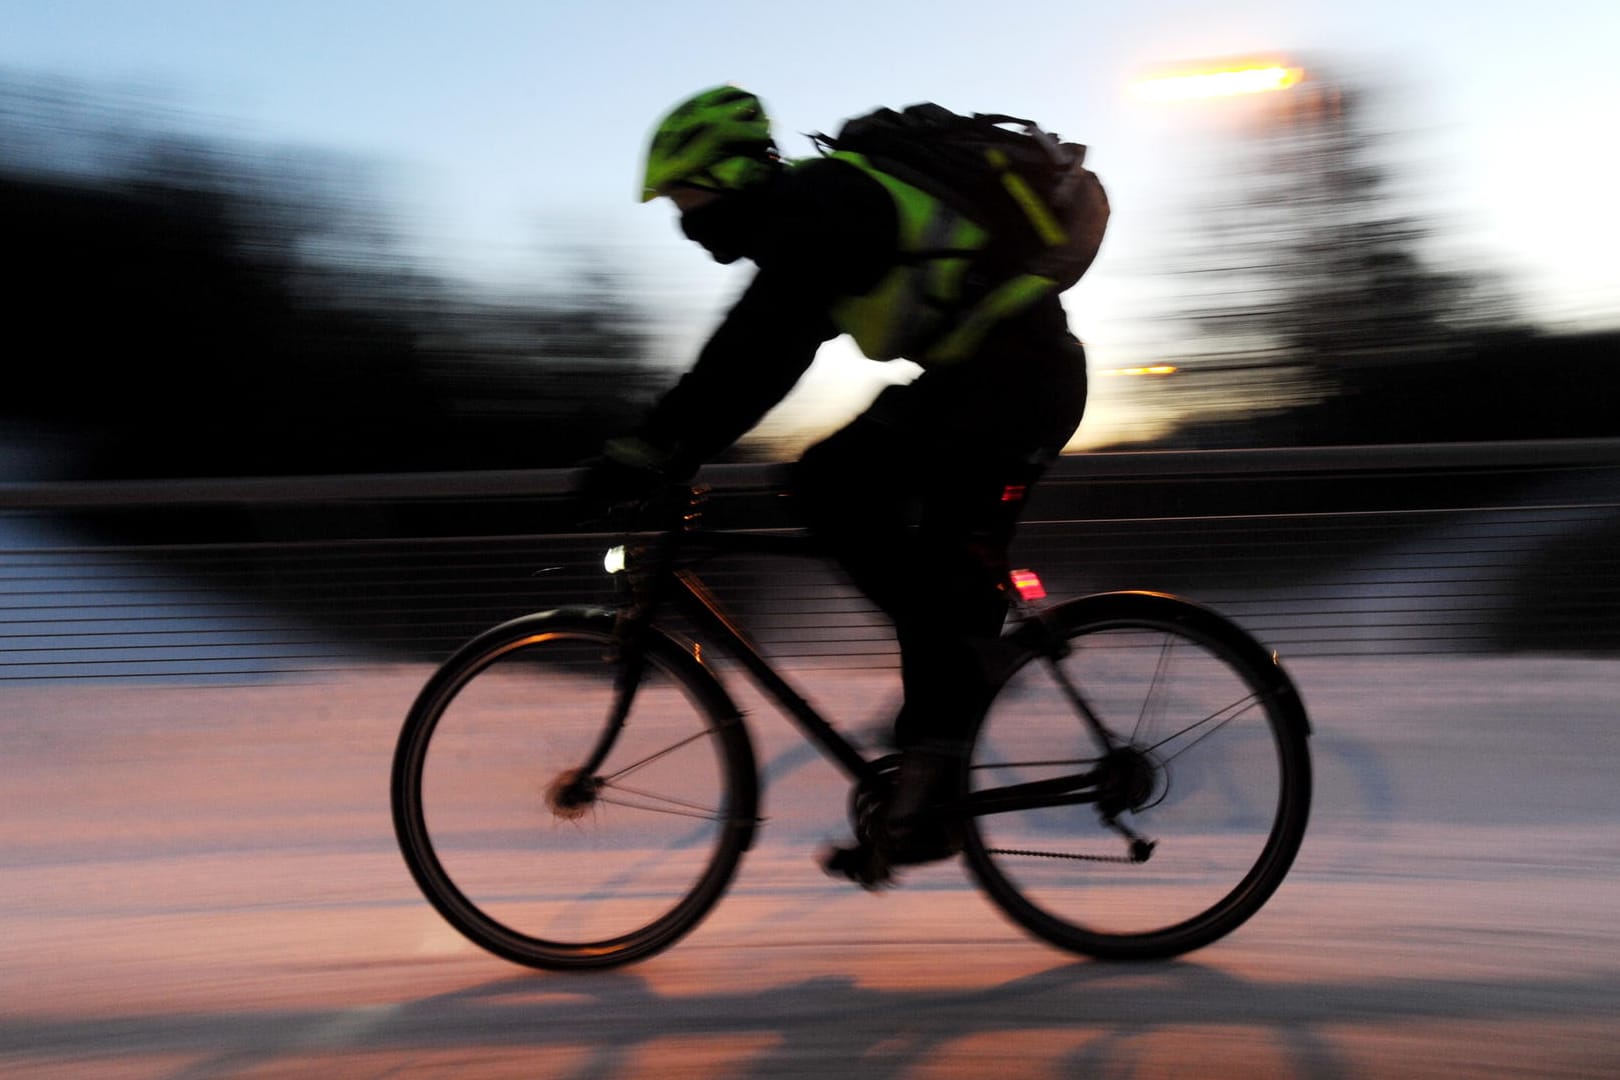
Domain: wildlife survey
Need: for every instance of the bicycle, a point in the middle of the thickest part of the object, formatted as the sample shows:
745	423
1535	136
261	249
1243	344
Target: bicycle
575	788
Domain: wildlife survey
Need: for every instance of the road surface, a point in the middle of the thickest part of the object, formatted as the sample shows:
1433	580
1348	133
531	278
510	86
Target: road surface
201	881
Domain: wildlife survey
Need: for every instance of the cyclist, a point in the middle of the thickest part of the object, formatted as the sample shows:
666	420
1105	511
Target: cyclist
918	496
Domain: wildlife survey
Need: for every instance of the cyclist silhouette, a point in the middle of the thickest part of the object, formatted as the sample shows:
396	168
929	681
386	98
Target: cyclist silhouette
918	497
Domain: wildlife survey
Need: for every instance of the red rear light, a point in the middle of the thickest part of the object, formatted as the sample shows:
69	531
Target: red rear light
1028	584
1013	493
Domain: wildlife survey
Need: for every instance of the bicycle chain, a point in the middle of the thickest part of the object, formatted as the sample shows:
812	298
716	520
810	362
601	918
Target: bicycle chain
1062	855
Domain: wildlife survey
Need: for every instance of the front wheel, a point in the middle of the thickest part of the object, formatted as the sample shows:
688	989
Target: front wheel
535	859
1200	803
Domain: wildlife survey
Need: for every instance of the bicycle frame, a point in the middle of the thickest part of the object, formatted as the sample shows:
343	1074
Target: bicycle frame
693	598
672	567
1044	747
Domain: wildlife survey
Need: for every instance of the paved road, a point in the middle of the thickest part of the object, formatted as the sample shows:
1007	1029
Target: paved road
200	881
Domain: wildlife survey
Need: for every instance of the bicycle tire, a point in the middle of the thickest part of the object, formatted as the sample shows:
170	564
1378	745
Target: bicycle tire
500	729
1224	798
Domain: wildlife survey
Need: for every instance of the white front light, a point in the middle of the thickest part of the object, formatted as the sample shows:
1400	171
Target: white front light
613	561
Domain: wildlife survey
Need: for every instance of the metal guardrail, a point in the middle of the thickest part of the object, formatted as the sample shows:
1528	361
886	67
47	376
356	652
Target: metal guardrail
1137	465
1323	551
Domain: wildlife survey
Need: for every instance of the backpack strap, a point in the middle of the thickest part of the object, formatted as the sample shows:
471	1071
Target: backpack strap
1003	302
1046	226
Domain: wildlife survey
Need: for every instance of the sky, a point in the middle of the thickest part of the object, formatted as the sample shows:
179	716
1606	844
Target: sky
510	133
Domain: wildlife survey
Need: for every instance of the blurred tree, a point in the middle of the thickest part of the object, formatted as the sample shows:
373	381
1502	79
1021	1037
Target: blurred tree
1305	286
187	306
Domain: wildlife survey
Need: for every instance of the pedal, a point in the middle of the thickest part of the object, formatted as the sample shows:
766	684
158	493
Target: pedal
863	864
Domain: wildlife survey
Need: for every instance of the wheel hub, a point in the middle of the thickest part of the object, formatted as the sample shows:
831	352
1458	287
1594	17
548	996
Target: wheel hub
1131	780
571	796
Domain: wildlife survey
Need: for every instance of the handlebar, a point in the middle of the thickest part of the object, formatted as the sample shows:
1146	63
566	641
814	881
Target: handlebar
671	523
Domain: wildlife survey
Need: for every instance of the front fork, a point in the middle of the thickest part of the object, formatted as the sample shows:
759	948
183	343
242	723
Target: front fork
644	579
629	656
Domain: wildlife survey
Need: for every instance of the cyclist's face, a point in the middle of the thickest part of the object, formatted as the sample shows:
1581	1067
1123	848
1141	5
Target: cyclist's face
723	222
689	198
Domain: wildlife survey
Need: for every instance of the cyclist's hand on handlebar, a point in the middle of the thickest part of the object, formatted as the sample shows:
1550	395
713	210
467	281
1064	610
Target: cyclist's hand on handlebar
608	487
623	478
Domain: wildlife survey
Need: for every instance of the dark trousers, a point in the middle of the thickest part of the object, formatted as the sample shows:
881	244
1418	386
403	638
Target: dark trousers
922	527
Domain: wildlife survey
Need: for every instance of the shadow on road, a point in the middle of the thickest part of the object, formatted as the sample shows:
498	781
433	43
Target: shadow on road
1080	1019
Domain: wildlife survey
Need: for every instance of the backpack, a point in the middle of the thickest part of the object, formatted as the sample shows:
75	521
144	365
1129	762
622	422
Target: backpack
1045	211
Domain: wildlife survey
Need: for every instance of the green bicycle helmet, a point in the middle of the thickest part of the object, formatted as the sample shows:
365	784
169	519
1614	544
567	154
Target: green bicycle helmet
719	140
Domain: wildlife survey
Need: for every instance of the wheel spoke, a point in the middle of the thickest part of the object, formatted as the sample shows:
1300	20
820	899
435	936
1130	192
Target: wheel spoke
662	804
1220	717
1160	673
1225	820
657	754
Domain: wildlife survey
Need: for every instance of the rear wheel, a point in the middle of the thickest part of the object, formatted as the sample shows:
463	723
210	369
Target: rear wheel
538	863
1203	798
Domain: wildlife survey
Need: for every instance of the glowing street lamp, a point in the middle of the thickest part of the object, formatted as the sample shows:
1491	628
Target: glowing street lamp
1228	79
1311	98
1152	369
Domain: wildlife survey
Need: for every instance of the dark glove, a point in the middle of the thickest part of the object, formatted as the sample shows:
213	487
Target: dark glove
628	473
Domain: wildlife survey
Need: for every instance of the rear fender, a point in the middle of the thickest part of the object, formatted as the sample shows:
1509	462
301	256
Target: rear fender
1123	608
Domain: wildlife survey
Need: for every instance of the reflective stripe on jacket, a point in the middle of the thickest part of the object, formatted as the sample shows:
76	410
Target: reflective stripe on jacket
918	310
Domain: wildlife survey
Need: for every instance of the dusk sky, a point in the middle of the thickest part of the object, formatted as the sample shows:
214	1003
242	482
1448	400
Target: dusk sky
506	132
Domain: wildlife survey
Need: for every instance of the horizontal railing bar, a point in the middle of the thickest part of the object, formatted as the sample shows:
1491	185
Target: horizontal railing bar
532	483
